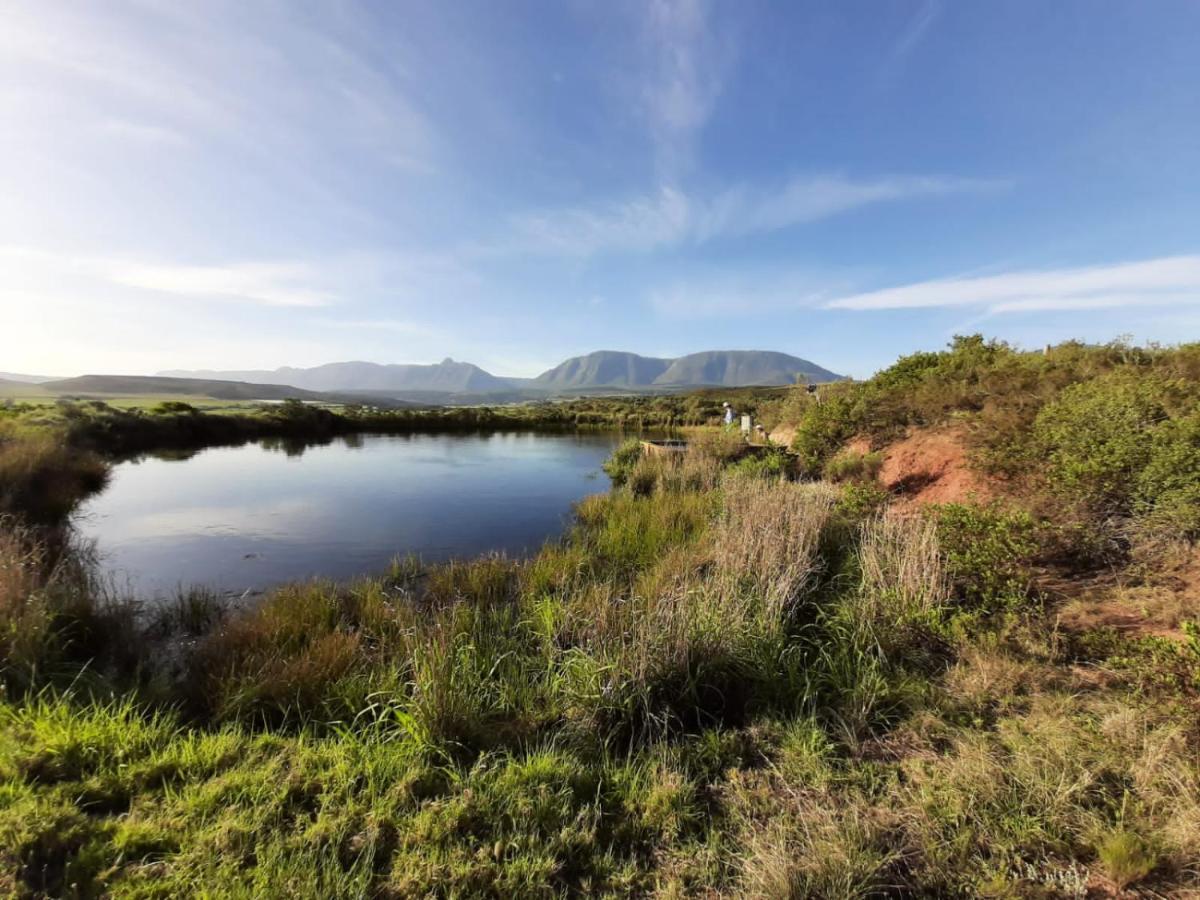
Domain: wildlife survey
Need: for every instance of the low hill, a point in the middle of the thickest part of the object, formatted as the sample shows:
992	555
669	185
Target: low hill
197	387
25	379
448	376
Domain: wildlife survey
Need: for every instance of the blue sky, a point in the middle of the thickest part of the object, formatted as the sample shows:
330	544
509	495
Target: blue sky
253	184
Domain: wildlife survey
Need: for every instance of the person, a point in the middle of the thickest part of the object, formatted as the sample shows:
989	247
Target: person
729	415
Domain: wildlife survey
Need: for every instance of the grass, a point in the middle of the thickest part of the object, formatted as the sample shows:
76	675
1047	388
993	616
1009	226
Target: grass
720	682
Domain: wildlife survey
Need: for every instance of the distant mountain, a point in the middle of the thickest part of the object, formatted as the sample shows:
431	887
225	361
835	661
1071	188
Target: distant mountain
26	379
604	368
742	368
156	384
101	386
447	376
715	368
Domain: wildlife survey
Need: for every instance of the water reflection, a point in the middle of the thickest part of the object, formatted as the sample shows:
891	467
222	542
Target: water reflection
238	517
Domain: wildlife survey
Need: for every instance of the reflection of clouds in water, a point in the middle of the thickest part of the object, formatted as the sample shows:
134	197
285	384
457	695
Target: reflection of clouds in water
283	518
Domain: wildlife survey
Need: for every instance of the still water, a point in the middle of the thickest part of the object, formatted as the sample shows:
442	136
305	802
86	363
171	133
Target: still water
243	518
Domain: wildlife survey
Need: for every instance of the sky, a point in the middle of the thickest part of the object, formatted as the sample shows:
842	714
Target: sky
257	183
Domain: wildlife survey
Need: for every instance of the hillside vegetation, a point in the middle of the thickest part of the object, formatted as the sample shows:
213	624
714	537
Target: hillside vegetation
737	675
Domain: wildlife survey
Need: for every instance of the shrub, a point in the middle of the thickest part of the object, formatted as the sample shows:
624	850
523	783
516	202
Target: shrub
825	427
173	407
620	465
1098	436
774	463
858	501
1167	490
988	550
848	466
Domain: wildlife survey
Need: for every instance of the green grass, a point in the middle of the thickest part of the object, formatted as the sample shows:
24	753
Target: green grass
720	682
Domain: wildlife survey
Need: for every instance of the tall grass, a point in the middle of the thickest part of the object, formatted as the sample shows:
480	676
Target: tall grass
903	574
42	478
766	542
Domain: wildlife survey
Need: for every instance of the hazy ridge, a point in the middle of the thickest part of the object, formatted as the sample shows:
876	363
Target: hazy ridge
600	370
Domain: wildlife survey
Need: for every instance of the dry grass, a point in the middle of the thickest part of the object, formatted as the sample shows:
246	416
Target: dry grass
25	620
766	543
677	472
719	444
42	478
802	842
982	678
903	576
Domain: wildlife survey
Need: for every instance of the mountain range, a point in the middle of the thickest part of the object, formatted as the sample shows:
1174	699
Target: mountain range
605	369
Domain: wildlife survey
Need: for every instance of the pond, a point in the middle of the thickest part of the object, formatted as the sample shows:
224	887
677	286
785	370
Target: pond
240	519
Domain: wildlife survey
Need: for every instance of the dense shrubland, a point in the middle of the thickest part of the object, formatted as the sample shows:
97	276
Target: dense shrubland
725	679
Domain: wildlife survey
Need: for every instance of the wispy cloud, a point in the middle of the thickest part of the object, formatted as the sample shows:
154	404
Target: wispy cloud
143	133
268	283
673	217
1168	281
686	67
916	28
267	80
705	293
29	275
399	279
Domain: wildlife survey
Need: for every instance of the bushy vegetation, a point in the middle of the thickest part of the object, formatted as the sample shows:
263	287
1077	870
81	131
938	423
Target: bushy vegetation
724	680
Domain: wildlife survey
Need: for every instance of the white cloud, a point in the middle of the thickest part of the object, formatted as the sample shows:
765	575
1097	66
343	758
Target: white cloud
1156	282
672	217
26	273
272	284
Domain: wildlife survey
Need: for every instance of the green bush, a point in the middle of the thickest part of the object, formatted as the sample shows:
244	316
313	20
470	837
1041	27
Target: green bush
172	407
624	459
1098	436
854	467
988	550
775	463
825	427
1167	490
861	500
